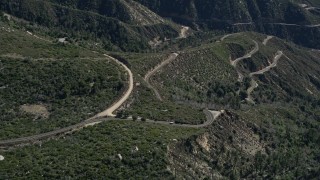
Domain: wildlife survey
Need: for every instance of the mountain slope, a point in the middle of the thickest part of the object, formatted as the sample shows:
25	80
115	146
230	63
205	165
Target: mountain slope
206	75
198	104
244	15
81	20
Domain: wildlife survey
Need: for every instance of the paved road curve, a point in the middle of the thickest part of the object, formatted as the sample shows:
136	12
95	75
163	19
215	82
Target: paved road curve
116	105
90	121
210	115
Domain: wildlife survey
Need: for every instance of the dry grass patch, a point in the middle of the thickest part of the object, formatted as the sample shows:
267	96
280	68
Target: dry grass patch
39	110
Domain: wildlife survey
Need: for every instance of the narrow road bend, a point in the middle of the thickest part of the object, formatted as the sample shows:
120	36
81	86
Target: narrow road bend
248	55
266	40
210	115
125	96
254	83
91	121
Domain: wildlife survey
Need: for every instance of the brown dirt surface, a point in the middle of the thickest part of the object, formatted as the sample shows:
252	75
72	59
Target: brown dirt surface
38	110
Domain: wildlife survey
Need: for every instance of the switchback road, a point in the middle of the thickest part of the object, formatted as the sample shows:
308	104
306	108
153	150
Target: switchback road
248	55
253	83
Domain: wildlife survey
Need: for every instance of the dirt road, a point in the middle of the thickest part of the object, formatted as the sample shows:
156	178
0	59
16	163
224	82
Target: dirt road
248	23
147	77
248	55
282	24
254	83
266	40
116	105
210	115
298	25
312	8
226	36
276	58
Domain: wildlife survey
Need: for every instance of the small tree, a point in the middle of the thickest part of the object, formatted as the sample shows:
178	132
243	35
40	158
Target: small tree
125	115
134	118
143	119
243	95
119	114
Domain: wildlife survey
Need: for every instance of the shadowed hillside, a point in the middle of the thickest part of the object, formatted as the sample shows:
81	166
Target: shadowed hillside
233	16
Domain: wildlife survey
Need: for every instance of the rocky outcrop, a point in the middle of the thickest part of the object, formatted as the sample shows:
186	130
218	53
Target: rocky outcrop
208	154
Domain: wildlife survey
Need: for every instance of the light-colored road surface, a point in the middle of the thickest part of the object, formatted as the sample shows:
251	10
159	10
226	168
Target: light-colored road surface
266	40
210	115
89	122
183	32
147	77
240	76
226	36
282	24
116	105
298	25
248	23
253	83
276	58
312	8
31	34
248	55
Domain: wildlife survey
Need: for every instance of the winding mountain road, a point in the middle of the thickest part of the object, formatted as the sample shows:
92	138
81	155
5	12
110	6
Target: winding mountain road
226	36
276	58
282	24
108	113
248	55
298	25
312	8
248	23
210	115
266	40
254	83
147	77
88	122
126	95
